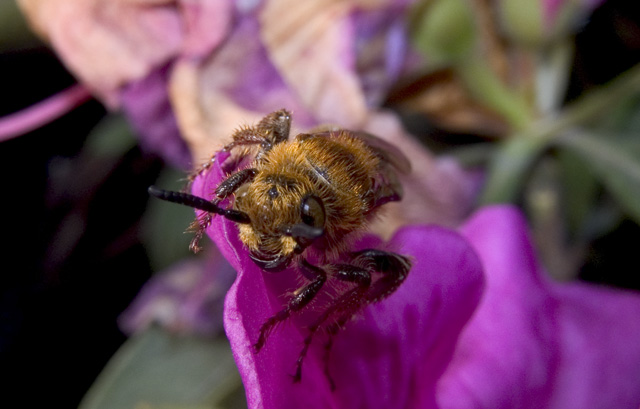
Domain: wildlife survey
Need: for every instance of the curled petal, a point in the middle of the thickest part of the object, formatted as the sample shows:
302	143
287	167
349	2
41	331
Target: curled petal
35	116
321	71
236	86
339	57
107	43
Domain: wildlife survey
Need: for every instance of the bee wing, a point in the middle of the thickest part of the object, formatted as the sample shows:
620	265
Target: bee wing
383	149
386	151
387	187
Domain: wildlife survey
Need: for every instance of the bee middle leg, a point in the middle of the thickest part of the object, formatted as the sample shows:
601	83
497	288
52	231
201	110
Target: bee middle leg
393	268
301	298
271	130
350	301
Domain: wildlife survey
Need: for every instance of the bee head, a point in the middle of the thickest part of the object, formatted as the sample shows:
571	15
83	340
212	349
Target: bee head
277	237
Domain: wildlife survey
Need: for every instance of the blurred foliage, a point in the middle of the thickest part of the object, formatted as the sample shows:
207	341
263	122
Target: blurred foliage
567	149
14	33
156	369
163	224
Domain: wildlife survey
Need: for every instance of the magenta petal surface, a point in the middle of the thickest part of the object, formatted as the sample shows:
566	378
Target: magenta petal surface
599	348
535	344
390	357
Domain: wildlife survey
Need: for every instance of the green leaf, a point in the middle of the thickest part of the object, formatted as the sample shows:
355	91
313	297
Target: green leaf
164	224
615	165
158	369
522	20
14	31
624	120
493	93
580	189
510	167
111	137
444	30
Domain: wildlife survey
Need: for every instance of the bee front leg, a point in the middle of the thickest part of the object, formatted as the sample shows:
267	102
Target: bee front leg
233	182
300	299
224	190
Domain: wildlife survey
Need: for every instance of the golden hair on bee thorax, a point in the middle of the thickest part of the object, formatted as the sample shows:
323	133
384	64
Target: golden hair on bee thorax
309	196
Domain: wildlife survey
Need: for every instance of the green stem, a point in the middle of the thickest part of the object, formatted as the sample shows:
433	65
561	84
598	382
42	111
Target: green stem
517	154
487	88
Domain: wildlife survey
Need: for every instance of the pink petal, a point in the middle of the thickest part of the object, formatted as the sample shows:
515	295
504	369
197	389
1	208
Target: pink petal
393	356
537	344
599	353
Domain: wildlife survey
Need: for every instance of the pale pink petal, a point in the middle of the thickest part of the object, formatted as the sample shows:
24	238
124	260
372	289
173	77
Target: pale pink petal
206	24
108	43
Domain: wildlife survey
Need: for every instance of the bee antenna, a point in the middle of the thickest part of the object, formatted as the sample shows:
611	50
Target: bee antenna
199	203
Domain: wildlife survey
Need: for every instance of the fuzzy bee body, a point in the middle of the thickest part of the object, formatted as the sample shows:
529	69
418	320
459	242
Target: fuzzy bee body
335	168
298	204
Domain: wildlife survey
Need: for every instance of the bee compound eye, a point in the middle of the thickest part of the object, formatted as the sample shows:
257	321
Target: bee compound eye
312	211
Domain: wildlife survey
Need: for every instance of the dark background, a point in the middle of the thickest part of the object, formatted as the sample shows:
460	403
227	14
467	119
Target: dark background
71	223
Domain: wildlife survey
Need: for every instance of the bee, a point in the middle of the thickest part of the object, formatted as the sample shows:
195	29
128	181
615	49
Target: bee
300	203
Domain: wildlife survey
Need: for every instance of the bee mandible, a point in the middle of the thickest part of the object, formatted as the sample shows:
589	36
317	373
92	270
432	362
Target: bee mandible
300	203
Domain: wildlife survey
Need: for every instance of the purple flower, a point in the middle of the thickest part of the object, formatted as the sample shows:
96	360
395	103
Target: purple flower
442	339
390	357
196	69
